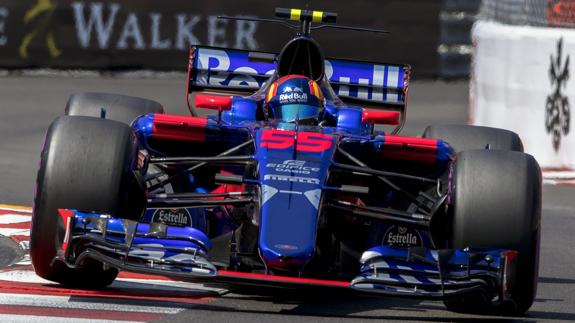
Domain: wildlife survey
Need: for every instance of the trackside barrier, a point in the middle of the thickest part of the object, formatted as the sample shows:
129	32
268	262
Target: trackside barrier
153	34
523	80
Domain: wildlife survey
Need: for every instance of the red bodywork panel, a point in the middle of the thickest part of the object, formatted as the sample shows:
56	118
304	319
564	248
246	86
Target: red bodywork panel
183	128
213	102
410	148
381	117
227	188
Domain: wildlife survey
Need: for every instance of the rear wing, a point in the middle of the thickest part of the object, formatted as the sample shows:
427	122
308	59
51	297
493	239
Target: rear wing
374	85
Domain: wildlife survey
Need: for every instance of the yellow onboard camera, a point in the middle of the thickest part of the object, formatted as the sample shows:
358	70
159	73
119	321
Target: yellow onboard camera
306	15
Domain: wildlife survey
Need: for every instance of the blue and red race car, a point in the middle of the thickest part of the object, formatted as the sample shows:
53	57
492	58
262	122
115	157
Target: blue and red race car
290	184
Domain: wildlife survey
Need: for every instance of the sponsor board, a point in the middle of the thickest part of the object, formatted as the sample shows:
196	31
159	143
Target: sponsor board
560	13
115	26
534	87
34	32
143	34
557	109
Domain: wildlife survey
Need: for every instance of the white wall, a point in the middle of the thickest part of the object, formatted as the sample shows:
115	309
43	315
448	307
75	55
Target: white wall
511	83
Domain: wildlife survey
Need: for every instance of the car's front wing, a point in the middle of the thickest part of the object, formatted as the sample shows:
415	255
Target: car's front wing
182	253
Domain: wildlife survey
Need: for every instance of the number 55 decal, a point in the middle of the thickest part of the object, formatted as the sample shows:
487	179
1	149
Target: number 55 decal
306	141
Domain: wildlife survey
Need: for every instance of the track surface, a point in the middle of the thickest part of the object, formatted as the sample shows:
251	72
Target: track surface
29	104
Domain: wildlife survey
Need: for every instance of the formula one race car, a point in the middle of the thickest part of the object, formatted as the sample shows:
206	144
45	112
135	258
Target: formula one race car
289	183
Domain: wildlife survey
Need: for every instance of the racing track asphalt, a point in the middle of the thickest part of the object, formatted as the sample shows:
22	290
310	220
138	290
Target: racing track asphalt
28	105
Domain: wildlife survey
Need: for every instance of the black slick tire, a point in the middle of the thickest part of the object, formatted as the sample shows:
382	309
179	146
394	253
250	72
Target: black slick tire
465	137
496	203
122	108
86	165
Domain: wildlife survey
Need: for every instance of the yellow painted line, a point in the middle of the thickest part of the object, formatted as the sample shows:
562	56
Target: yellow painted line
295	14
317	16
15	207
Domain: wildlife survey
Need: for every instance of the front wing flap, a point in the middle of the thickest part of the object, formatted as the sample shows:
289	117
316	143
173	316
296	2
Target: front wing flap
436	274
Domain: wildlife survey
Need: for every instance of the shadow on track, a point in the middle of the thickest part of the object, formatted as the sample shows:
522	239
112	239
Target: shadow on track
343	305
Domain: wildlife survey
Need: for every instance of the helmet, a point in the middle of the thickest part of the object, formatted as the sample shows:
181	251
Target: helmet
294	97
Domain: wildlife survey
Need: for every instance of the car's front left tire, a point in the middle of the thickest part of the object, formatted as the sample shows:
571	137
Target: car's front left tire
86	164
496	204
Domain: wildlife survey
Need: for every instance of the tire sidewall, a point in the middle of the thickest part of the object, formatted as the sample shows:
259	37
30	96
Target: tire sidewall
496	204
57	187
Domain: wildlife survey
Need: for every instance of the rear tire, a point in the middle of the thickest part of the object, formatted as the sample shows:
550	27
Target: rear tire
86	164
497	205
464	137
118	107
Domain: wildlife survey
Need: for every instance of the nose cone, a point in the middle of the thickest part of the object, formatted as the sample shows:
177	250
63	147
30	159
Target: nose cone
293	168
288	228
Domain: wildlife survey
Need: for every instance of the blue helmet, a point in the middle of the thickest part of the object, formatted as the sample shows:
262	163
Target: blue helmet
294	97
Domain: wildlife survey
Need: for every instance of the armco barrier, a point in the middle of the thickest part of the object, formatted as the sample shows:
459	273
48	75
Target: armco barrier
155	34
523	80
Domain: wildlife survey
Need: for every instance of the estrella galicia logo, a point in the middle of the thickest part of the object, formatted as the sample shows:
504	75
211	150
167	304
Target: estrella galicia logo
400	236
557	111
174	217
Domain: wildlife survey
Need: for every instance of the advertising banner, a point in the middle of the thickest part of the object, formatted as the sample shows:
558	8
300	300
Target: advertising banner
154	34
523	80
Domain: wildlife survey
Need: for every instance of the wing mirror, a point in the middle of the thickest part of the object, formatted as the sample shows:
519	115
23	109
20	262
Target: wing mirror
381	117
213	102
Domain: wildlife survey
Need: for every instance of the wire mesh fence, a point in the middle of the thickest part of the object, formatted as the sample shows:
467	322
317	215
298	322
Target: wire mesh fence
542	13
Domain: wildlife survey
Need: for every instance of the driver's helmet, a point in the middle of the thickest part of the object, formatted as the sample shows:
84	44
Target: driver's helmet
294	97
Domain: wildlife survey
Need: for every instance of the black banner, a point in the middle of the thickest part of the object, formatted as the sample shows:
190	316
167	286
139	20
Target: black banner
155	34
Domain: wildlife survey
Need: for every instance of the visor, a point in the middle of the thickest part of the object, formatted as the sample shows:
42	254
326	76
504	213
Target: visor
293	112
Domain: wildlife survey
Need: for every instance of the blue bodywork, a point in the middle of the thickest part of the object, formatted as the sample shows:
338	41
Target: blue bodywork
292	183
